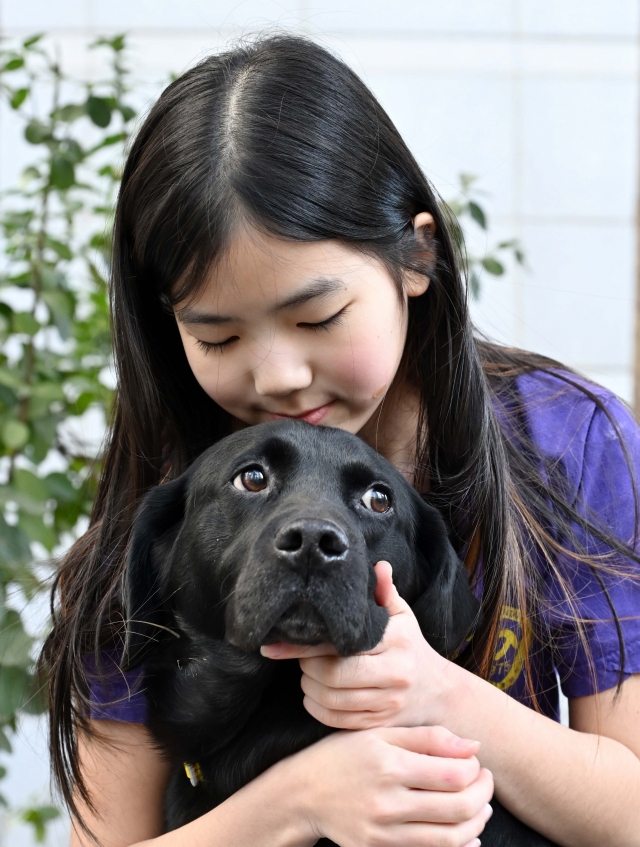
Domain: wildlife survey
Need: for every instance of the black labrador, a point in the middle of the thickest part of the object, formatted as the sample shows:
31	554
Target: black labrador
272	535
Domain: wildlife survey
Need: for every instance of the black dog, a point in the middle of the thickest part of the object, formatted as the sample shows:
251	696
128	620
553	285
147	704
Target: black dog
272	535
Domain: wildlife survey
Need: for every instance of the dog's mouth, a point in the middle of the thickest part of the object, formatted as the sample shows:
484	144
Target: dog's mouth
301	623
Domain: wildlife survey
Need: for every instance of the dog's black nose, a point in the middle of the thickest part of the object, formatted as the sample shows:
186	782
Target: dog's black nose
309	542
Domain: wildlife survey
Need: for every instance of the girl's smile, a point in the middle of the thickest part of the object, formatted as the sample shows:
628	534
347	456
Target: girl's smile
313	416
310	330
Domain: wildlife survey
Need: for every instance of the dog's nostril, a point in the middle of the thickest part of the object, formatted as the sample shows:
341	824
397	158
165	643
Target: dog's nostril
306	541
289	541
331	544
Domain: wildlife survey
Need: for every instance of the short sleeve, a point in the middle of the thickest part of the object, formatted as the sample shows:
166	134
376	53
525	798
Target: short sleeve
605	496
115	694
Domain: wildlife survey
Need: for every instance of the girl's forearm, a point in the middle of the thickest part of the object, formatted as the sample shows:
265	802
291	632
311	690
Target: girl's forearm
265	813
534	760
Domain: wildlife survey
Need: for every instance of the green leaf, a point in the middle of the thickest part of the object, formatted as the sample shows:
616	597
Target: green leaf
72	151
24	322
15	434
8	397
18	98
13	64
71	112
108	170
15	643
38	818
28	483
48	391
477	214
14	545
25	502
36	132
36	530
33	39
99	111
10	378
117	43
127	112
14	690
62	174
61	249
61	488
5	745
37	702
493	266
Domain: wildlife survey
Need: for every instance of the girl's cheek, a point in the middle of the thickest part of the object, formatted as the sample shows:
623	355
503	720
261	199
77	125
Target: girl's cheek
367	366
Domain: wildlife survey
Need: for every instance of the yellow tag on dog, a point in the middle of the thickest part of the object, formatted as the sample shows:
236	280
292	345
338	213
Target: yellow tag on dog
193	772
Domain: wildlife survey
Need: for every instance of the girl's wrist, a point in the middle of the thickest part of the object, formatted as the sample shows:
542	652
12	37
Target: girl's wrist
452	687
288	791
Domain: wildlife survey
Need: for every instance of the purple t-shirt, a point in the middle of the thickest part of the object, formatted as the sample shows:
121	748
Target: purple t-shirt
579	441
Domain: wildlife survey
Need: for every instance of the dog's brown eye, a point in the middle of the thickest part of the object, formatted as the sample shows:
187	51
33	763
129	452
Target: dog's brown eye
376	500
251	480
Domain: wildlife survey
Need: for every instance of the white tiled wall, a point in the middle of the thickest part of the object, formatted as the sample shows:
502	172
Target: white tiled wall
539	98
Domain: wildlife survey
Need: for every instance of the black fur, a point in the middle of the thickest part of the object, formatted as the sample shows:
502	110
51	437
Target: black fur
214	572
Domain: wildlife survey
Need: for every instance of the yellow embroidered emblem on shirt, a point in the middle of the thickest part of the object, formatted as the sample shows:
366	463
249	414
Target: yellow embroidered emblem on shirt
513	640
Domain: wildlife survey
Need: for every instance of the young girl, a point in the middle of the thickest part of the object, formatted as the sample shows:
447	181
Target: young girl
279	253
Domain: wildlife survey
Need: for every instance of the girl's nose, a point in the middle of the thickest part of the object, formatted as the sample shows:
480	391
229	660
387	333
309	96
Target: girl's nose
279	375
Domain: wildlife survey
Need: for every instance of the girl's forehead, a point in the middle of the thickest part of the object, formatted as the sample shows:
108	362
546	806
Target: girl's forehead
260	269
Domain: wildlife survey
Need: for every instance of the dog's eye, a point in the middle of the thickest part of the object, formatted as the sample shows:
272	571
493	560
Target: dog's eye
253	479
376	500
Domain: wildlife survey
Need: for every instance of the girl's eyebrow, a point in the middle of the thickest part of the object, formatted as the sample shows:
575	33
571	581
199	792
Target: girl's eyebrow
318	288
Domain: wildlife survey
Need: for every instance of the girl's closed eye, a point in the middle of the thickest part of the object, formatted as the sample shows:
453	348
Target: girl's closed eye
318	326
220	346
323	326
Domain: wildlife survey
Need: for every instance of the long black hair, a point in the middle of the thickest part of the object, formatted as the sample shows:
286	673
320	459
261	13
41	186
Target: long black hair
280	133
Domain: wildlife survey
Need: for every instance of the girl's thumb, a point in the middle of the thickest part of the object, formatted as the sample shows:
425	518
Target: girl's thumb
386	593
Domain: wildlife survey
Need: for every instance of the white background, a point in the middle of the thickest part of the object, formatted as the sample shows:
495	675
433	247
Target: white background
538	98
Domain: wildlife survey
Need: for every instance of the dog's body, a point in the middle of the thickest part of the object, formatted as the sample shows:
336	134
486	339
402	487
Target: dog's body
272	535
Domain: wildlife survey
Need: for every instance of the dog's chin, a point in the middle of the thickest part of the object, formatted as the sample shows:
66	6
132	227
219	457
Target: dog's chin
300	624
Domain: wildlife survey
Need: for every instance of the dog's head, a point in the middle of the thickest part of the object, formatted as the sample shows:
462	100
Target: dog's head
272	535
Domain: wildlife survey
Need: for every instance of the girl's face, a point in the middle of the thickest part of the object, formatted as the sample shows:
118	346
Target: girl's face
311	330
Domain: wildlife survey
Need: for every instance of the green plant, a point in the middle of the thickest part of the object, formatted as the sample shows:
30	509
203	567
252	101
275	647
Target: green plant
468	209
54	333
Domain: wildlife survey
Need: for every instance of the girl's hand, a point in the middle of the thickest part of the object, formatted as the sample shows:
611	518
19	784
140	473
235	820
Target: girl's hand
417	786
398	683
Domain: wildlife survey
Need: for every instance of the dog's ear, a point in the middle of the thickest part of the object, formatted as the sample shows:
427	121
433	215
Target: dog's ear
447	610
146	609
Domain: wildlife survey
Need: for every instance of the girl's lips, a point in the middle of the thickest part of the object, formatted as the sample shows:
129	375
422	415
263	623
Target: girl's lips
313	416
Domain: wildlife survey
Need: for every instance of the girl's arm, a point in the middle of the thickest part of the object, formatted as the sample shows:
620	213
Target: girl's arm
127	776
358	788
580	787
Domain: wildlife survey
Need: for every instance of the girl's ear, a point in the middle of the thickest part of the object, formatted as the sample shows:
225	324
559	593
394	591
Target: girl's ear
146	608
424	228
447	610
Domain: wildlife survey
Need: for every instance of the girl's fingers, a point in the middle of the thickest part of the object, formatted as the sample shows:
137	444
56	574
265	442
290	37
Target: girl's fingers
284	650
434	773
361	671
386	594
347	699
432	740
448	807
453	835
341	718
